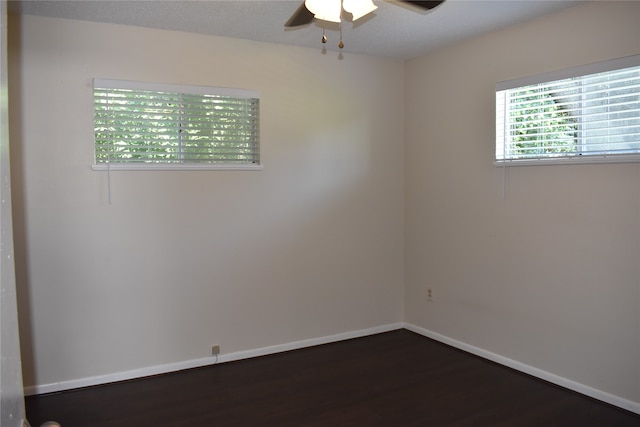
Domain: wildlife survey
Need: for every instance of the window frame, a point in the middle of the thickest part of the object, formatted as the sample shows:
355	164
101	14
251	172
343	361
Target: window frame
102	83
580	71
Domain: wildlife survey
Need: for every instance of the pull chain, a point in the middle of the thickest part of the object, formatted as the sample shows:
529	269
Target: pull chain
341	43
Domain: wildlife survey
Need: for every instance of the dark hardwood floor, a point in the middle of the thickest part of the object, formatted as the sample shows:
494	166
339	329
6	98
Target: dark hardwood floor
392	379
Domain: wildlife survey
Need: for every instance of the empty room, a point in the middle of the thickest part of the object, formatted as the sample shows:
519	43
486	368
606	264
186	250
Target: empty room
394	205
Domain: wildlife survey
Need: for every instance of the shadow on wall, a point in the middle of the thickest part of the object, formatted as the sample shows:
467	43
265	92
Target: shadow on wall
16	126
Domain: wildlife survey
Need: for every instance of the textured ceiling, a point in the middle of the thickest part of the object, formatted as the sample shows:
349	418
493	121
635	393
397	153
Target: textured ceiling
395	30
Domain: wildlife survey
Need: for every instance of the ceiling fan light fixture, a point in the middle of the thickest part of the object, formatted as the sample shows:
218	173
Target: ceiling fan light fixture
359	8
331	10
326	10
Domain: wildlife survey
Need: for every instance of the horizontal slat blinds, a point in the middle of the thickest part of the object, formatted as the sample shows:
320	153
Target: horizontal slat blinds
151	124
594	115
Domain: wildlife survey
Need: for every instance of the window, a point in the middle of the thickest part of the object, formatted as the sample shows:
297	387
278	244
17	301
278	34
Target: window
586	114
150	126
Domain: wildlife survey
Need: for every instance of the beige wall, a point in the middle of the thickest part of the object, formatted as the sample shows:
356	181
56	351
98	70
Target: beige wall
549	276
308	247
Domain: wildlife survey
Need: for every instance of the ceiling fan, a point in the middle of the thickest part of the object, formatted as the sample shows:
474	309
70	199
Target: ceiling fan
333	11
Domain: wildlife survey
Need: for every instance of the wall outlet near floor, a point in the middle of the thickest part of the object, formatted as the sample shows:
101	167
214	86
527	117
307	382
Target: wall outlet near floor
215	350
429	295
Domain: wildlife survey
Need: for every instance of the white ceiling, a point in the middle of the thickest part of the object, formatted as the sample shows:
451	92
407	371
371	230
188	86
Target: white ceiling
395	30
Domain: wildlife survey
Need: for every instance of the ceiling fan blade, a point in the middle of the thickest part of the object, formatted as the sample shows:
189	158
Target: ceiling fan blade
302	16
424	4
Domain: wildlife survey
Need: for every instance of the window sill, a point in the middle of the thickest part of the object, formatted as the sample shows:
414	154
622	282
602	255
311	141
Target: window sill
574	160
173	167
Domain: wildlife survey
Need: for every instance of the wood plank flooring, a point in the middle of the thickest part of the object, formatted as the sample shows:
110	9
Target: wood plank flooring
396	378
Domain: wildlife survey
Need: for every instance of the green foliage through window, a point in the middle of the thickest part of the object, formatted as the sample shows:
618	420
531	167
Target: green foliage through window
540	125
139	126
591	115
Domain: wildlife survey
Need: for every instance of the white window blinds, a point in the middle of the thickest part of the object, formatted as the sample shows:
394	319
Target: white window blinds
592	115
145	124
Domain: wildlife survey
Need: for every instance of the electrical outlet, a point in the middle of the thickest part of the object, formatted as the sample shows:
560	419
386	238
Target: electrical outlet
429	295
215	350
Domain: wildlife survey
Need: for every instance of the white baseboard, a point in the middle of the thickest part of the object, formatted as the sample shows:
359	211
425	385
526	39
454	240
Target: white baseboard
196	363
538	373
